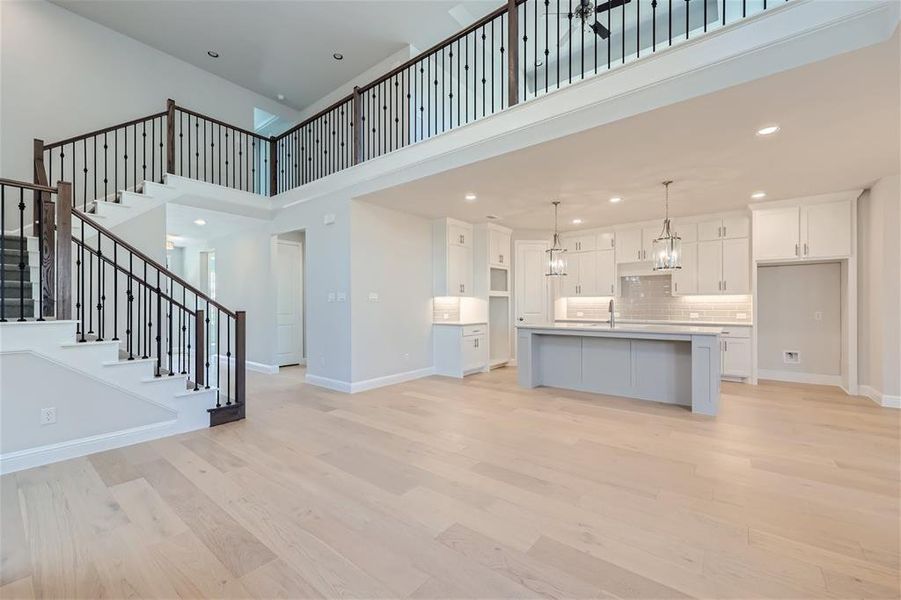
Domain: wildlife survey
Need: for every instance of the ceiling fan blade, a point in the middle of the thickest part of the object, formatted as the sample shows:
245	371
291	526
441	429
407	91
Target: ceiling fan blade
599	30
610	5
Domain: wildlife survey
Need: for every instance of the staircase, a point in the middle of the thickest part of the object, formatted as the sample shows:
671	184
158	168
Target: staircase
98	333
20	263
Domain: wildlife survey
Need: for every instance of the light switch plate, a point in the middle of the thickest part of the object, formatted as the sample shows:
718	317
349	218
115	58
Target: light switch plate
48	415
328	219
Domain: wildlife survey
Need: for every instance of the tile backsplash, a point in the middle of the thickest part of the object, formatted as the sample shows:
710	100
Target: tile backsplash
445	309
648	297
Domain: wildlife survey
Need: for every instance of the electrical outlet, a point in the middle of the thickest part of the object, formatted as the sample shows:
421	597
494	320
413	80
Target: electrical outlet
373	296
342	296
818	316
331	296
580	314
48	416
741	315
693	315
791	357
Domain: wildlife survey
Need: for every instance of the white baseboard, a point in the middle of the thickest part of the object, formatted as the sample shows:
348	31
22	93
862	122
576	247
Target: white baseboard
795	377
51	453
377	382
368	384
254	366
330	384
880	398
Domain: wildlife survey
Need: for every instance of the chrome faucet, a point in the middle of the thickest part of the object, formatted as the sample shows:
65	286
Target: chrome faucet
610	309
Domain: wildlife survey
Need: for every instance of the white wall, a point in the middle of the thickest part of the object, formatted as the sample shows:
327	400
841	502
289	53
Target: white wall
391	256
63	75
879	297
788	298
109	408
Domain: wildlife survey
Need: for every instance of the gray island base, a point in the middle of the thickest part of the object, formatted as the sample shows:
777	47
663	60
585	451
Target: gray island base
675	364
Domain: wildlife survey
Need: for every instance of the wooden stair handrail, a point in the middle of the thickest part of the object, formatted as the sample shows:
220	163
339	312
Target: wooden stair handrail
103	130
163	270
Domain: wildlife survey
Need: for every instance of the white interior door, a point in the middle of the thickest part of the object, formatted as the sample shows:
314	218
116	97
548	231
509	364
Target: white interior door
530	295
289	270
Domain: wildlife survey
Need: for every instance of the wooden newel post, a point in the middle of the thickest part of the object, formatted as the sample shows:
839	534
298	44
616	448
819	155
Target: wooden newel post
240	355
170	136
512	53
63	296
199	348
358	125
273	166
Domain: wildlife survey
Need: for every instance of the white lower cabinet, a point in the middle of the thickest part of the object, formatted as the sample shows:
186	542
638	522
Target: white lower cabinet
460	350
735	352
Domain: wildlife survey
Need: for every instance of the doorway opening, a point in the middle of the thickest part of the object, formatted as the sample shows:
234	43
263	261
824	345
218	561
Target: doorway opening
290	268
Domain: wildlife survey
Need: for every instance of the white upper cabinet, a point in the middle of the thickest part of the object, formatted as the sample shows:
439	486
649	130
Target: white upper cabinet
724	228
685	280
580	243
606	273
687	232
452	257
807	231
648	235
736	266
826	230
628	245
606	241
581	275
724	267
710	267
777	233
498	248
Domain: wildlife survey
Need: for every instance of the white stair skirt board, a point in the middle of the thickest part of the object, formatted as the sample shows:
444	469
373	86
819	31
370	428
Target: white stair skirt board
879	398
88	381
368	384
793	377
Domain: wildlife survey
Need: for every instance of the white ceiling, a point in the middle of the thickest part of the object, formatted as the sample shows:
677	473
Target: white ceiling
284	47
840	130
182	231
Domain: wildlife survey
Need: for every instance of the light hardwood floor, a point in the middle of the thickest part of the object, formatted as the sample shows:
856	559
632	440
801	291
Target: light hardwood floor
474	489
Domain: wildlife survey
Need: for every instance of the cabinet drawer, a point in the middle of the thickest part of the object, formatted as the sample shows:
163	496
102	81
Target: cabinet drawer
470	330
736	332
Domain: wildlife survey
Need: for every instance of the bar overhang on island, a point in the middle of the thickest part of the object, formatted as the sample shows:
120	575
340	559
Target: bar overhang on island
674	364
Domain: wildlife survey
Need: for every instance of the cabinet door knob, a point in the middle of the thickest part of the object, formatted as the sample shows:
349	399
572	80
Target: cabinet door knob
805	249
724	285
796	249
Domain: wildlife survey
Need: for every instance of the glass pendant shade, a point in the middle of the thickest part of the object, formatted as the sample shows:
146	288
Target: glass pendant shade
556	254
667	248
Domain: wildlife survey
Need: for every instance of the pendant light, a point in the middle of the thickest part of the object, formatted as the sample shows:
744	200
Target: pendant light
556	254
667	247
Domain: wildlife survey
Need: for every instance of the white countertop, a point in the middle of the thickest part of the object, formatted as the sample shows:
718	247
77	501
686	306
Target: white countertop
459	323
626	328
662	322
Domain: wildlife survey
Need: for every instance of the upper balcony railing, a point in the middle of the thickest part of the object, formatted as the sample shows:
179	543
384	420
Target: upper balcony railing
516	53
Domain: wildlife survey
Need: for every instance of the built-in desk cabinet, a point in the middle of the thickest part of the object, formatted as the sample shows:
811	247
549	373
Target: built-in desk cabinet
460	350
803	232
452	258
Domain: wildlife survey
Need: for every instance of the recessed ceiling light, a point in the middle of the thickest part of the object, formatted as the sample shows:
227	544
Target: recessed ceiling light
212	54
200	222
758	195
577	221
470	197
616	200
768	130
280	96
338	56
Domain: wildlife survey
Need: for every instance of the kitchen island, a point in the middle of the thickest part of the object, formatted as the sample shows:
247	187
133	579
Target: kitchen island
675	364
